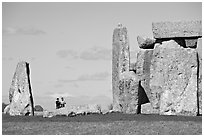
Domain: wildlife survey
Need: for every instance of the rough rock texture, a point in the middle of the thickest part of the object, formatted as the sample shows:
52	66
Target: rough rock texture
120	60
177	29
128	93
191	43
148	109
145	42
144	57
38	108
173	79
20	96
199	50
121	53
143	63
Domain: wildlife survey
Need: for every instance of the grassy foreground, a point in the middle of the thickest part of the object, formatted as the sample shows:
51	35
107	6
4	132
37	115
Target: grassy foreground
109	124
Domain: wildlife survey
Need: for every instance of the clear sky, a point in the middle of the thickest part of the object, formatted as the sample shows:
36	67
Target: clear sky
68	45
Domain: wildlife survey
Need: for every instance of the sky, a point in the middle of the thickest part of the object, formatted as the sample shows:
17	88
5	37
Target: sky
69	45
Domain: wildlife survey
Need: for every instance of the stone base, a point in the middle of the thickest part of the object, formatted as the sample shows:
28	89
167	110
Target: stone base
128	93
148	109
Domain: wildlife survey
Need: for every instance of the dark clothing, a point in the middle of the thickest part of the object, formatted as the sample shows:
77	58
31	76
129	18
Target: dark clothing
58	104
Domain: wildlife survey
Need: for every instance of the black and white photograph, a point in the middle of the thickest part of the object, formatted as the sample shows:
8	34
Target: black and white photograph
101	68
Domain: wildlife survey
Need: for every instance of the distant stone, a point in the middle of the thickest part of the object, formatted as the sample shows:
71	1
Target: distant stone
72	114
38	113
173	79
120	60
128	93
47	114
38	108
121	53
199	50
78	110
177	29
145	42
90	108
20	95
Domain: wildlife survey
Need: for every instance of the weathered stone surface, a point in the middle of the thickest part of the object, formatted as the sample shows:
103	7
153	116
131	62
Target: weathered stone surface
177	29
191	43
144	57
173	79
184	42
148	109
145	42
20	96
128	93
38	108
120	60
143	63
121	53
199	50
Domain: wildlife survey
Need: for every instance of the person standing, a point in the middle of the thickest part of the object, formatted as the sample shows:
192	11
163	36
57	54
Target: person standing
63	102
58	104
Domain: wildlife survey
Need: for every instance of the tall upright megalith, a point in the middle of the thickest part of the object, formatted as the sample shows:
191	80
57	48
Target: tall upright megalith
20	95
169	67
120	60
121	53
124	81
173	79
186	34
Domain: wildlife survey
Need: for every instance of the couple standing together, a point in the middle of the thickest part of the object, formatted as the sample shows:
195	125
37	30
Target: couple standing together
60	104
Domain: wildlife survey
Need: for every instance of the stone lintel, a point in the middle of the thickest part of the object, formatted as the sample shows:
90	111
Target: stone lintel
177	29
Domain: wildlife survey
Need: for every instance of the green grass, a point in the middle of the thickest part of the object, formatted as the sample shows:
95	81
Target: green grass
110	124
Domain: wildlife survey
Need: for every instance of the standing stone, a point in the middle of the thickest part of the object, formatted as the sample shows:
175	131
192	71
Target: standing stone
128	92
173	79
20	96
177	29
143	64
120	61
121	53
144	58
199	50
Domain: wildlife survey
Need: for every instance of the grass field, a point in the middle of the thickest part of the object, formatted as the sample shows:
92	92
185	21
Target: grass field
97	124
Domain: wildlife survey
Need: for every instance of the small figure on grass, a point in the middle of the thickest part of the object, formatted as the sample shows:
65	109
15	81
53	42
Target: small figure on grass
58	104
62	102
